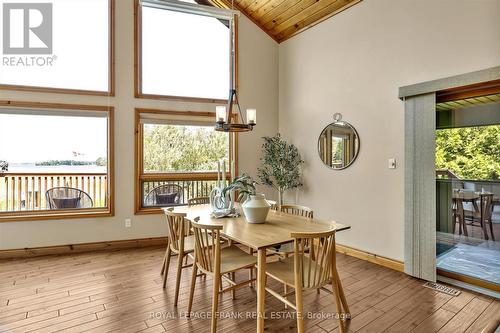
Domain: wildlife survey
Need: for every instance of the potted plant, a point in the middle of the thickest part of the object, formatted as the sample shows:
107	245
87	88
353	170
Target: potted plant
281	165
255	206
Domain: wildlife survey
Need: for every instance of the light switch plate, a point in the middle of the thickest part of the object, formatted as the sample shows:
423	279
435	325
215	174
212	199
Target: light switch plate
391	163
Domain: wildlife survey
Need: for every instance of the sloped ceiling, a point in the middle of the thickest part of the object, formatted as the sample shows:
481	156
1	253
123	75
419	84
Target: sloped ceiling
282	19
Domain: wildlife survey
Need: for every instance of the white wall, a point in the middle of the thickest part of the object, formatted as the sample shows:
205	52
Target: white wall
353	63
258	77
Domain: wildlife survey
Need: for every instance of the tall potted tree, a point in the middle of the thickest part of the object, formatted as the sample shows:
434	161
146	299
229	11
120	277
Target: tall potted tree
281	165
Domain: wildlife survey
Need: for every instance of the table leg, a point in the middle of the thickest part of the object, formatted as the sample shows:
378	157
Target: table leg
261	289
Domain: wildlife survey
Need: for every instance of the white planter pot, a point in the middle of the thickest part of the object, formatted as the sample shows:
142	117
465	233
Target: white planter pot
256	208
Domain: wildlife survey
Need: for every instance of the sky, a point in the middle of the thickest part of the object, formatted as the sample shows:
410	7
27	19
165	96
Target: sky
80	47
200	70
29	139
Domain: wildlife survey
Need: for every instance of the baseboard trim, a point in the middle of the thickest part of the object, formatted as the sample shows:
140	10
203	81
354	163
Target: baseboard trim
80	248
373	258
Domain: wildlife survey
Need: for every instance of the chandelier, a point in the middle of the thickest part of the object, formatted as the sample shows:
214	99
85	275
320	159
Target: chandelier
224	114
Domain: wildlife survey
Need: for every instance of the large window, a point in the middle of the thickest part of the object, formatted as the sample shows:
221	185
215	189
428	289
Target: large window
57	44
55	161
177	155
181	54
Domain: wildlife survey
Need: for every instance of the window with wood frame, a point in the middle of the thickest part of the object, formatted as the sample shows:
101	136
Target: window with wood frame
56	161
61	46
176	157
182	52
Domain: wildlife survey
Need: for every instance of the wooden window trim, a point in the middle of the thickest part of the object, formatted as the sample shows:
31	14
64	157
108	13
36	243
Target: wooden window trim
138	70
139	158
70	214
111	70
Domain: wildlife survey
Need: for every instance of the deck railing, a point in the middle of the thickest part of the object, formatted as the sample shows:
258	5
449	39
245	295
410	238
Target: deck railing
191	188
26	191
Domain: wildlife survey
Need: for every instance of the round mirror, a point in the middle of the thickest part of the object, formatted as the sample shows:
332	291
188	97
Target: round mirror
338	144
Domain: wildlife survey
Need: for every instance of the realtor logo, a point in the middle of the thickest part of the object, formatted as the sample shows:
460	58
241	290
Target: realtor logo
27	28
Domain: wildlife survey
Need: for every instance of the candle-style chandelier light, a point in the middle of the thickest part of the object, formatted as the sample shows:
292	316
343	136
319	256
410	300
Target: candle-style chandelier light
224	120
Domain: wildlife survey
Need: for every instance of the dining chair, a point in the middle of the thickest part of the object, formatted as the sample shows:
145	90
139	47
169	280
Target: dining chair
304	272
198	201
220	263
274	204
297	210
180	241
287	249
482	216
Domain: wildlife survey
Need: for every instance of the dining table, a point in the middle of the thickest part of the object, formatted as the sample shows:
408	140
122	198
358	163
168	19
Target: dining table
275	231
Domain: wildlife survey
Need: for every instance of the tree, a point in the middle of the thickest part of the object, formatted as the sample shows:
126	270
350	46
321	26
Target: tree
183	148
281	165
470	152
101	161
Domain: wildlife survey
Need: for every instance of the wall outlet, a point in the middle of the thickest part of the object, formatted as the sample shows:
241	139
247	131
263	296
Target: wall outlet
128	223
391	163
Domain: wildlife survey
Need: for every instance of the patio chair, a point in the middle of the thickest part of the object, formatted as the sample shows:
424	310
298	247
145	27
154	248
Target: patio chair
482	216
198	201
165	195
68	198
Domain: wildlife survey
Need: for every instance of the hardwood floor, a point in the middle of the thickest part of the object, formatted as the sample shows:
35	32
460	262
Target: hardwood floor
121	291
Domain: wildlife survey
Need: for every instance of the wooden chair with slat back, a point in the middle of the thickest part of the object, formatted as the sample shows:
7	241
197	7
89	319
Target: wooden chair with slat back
198	201
217	262
274	204
306	272
303	211
297	210
180	242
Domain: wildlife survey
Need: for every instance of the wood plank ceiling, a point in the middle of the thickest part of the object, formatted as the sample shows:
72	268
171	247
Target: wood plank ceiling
282	19
467	102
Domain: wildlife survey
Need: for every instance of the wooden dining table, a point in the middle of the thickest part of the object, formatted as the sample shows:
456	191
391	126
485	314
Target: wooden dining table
259	237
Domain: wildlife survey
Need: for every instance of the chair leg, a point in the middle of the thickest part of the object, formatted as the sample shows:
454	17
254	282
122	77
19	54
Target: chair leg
215	302
300	313
464	225
491	230
167	265
250	272
285	290
191	290
342	295
233	292
339	305
165	258
178	278
483	226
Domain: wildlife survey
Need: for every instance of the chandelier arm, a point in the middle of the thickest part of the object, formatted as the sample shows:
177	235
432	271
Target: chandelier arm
238	105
